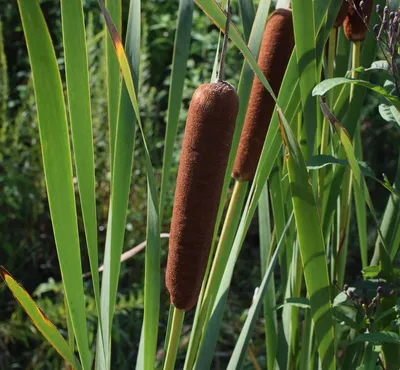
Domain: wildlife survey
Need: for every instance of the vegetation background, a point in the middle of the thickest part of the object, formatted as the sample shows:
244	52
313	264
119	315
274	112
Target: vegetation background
26	238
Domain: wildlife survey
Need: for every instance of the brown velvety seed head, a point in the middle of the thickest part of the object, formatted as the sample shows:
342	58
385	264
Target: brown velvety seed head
205	150
342	14
276	47
354	26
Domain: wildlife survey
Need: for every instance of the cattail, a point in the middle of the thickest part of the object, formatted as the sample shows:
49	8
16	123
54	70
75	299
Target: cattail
276	48
205	151
342	14
357	19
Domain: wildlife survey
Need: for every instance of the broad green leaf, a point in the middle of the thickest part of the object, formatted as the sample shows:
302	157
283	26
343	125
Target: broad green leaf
42	323
57	163
152	262
242	343
327	85
390	114
178	72
77	77
312	249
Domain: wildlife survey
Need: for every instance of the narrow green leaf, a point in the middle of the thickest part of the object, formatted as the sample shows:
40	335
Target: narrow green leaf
152	268
114	8
178	72
269	300
77	76
242	343
217	15
344	138
303	23
55	143
312	250
42	323
360	206
247	14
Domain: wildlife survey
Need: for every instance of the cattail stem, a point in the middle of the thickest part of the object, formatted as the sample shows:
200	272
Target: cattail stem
218	267
220	76
355	62
348	180
326	125
173	343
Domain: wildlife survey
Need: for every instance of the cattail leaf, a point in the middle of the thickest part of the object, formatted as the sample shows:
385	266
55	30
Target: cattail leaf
57	163
152	262
361	211
39	319
247	15
178	72
387	267
217	15
327	85
349	116
114	8
77	78
390	222
269	300
304	31
312	250
238	355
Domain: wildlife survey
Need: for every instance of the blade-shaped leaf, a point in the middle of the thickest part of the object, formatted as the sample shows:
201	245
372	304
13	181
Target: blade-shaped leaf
43	324
57	165
77	76
312	249
152	269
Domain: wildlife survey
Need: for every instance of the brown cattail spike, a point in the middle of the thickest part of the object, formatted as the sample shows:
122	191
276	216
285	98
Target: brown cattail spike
342	14
205	151
276	48
358	16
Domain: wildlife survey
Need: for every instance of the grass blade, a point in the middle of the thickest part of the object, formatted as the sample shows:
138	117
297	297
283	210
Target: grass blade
303	23
42	323
179	60
113	76
312	250
57	165
269	301
246	8
152	270
242	343
77	78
